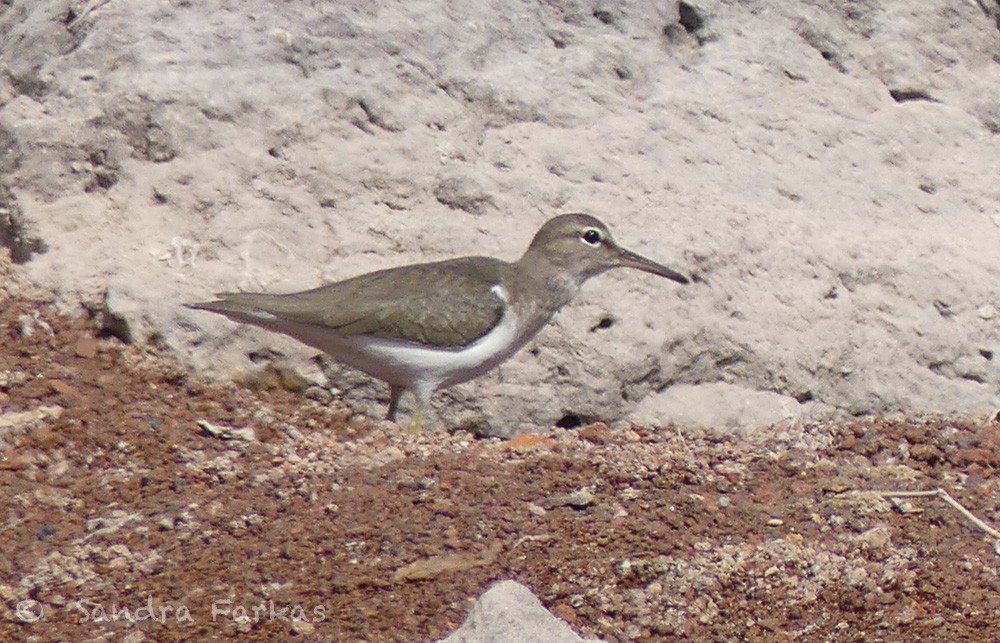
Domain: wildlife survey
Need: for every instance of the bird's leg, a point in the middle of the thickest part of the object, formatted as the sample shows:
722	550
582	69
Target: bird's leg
395	392
423	403
416	420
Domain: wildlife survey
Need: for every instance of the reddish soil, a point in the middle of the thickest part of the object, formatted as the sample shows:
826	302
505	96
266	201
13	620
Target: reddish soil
125	519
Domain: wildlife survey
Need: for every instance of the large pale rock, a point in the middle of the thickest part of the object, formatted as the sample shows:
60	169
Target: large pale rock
827	172
509	613
718	405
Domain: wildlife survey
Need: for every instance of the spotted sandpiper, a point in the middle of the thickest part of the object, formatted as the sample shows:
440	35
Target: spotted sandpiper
425	327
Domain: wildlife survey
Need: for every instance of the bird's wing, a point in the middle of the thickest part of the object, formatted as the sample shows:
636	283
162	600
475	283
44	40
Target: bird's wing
447	303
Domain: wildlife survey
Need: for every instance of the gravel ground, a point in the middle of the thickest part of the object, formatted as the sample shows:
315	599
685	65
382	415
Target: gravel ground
142	503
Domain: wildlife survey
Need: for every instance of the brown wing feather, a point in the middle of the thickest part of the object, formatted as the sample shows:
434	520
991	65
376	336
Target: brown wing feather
447	303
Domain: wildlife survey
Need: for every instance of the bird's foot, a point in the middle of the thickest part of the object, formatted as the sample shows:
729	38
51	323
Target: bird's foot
416	422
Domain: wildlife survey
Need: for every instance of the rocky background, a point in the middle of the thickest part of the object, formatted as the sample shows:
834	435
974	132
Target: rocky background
827	171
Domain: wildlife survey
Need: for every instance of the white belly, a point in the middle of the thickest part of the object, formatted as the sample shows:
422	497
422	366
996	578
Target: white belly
414	367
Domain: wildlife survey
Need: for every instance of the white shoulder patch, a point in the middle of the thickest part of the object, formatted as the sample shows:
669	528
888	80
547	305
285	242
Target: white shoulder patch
500	292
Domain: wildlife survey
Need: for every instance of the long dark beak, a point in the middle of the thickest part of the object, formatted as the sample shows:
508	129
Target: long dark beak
629	259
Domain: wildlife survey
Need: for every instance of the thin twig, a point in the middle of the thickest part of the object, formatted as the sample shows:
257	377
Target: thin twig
944	495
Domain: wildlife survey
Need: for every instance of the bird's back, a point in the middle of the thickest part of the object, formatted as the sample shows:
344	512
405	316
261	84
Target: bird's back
446	303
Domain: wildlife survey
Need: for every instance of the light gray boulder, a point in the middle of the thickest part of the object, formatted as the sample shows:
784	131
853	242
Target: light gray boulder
509	613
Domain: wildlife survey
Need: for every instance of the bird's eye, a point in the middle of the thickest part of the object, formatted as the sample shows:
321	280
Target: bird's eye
591	237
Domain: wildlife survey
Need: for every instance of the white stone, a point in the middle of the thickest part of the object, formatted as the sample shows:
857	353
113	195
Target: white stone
509	613
717	405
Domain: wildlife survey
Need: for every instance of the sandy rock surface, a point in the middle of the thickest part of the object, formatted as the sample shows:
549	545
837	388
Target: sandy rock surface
827	172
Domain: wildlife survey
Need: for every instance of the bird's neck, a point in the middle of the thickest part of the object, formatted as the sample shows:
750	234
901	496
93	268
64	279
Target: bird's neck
542	285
